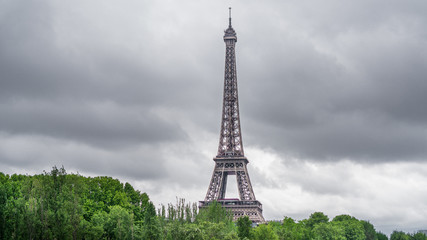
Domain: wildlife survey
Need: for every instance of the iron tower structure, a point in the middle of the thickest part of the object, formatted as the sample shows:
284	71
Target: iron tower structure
230	159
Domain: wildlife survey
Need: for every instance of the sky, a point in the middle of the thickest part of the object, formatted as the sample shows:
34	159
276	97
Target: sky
331	92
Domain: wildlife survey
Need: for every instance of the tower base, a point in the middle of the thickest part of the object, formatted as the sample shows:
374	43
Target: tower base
252	209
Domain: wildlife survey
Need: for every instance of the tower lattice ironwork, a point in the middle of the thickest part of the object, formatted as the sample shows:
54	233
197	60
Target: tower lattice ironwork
230	159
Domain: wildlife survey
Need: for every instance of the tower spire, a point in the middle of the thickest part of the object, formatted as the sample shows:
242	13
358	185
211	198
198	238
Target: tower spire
229	17
230	140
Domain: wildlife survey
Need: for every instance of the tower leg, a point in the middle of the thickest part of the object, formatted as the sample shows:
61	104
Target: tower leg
246	205
244	185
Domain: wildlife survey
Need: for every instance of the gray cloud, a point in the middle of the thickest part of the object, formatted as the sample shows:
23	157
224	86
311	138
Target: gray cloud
102	124
134	90
33	153
348	89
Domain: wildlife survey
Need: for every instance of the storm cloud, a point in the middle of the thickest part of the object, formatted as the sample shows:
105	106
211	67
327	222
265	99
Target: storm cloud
332	98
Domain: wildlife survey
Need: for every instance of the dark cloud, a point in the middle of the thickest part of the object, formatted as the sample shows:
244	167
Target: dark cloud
348	89
134	90
33	153
103	124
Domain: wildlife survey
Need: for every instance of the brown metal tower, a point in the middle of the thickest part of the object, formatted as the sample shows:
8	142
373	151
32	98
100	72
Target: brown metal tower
230	159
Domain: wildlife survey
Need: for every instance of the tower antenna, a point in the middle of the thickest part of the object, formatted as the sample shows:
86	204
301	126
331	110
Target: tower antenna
229	16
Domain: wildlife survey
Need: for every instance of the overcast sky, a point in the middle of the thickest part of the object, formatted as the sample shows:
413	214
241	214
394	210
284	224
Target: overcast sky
332	99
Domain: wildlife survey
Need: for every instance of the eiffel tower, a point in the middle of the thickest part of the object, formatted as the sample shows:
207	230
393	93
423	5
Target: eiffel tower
230	159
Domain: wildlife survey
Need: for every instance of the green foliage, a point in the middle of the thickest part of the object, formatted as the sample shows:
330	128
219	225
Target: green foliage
318	226
183	221
290	230
316	218
418	236
213	230
231	236
57	205
381	236
399	235
182	212
264	232
353	228
151	224
119	223
369	229
214	213
244	226
328	231
193	232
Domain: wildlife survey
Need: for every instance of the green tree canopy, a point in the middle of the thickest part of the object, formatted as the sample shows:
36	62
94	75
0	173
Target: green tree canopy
214	213
264	232
316	218
353	228
369	229
381	236
418	236
399	235
151	224
244	226
328	231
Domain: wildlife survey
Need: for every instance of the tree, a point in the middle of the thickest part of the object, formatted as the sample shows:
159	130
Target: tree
316	218
98	225
244	226
151	224
264	232
119	223
290	230
57	205
343	218
192	232
418	236
212	230
399	235
4	187
328	231
214	213
353	228
232	236
369	229
381	236
133	196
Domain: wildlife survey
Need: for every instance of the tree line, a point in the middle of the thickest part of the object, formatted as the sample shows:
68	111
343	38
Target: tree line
57	205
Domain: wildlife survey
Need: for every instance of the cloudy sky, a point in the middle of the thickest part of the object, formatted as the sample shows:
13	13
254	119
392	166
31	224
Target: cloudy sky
332	98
